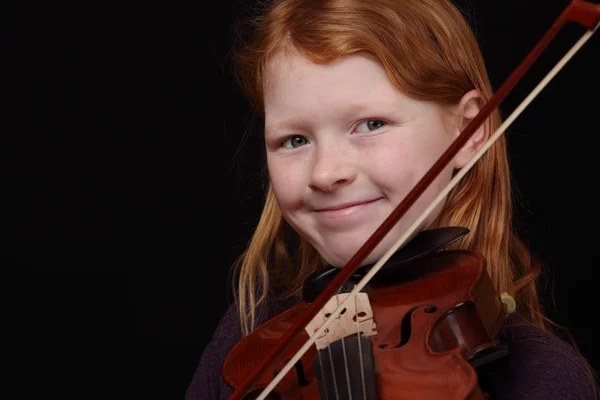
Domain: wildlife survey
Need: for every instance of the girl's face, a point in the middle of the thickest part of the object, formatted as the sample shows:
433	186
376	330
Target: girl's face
344	147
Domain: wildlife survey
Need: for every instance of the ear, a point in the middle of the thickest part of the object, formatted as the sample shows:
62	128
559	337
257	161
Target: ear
468	107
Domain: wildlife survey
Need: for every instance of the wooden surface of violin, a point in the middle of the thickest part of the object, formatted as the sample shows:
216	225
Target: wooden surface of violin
427	331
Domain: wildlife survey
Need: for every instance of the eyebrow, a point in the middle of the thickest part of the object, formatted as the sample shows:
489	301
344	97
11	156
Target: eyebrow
282	124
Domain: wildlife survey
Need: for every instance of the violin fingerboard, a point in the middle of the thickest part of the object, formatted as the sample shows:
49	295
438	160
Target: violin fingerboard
345	369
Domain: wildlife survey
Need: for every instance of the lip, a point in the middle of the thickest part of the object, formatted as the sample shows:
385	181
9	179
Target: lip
346	206
343	211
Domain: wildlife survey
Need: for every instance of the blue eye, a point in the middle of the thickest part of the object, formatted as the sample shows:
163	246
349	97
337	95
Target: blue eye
294	142
371	125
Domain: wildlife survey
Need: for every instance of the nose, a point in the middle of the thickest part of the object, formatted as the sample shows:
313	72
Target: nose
332	168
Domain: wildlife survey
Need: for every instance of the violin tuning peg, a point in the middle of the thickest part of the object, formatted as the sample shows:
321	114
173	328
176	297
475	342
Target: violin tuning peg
507	299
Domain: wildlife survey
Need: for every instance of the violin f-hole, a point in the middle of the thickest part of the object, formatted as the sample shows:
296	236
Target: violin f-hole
406	325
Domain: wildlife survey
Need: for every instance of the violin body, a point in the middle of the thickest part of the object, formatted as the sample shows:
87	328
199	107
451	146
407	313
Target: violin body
428	328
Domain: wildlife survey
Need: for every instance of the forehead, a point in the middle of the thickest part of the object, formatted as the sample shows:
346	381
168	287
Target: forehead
296	88
290	71
298	92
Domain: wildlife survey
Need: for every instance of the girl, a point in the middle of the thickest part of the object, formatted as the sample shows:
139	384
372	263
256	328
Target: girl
359	99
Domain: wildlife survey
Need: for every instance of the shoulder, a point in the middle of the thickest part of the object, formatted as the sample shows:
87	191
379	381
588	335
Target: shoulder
540	365
206	382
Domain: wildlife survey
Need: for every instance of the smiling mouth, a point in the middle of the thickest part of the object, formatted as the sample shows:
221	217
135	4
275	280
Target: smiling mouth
345	209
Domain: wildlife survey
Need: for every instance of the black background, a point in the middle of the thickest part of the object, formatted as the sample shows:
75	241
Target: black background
130	193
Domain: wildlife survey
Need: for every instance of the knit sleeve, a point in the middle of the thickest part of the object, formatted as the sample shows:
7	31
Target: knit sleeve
557	372
207	383
540	366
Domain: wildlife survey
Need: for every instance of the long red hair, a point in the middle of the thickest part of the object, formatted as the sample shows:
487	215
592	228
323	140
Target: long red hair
430	53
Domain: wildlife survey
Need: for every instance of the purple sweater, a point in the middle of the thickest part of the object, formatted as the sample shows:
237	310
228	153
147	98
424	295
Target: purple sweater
539	366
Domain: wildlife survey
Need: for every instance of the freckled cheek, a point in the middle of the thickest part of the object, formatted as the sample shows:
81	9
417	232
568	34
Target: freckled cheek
397	171
400	181
394	169
287	187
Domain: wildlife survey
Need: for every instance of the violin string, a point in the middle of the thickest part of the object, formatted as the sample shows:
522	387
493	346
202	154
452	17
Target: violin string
408	233
344	351
335	389
360	358
323	375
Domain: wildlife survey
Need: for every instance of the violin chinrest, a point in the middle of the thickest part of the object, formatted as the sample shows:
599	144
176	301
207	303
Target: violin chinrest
424	243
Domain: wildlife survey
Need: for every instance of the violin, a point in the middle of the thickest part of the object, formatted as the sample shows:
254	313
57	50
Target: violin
451	316
419	336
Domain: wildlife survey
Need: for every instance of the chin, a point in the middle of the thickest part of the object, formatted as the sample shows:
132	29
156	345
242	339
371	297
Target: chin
339	260
339	250
336	260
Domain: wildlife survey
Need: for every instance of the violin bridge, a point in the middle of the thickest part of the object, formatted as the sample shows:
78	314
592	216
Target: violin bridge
357	317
